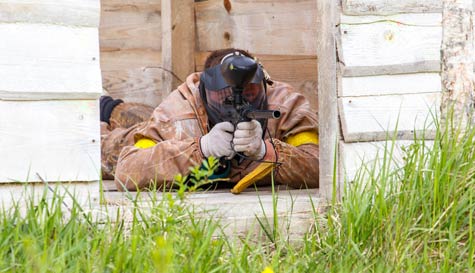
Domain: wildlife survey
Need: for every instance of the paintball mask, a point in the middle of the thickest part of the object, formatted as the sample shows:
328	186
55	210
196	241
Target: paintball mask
218	96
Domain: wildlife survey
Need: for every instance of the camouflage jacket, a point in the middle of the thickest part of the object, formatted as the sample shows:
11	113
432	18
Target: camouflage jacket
176	126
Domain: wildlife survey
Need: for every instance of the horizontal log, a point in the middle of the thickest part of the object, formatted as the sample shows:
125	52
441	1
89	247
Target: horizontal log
391	47
378	7
358	160
390	84
137	5
59	62
135	25
133	75
376	118
59	140
64	12
262	27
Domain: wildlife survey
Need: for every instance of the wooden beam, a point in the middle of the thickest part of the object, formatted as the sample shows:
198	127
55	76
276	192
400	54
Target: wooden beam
362	158
327	92
390	84
40	61
133	75
130	25
457	67
378	7
83	13
284	27
60	140
374	118
392	47
178	42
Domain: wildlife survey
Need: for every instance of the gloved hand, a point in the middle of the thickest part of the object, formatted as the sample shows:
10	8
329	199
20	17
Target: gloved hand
218	141
248	139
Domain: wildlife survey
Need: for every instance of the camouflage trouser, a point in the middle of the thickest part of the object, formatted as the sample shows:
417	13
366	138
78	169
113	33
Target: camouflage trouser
119	133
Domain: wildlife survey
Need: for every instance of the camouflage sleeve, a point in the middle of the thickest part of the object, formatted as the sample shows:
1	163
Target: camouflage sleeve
157	165
299	165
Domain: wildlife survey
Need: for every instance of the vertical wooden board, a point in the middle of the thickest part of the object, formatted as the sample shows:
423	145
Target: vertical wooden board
363	7
130	25
178	42
375	118
60	140
133	75
49	62
64	12
327	93
389	47
261	27
390	84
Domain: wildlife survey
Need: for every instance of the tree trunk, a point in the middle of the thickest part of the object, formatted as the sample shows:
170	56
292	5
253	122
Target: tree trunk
457	65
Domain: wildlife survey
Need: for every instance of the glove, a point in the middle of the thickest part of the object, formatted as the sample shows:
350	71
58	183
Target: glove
248	139
218	141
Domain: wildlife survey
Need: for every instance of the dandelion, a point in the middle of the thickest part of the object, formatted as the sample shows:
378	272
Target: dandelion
268	270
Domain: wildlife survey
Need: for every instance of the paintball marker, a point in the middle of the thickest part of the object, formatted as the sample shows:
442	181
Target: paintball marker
238	71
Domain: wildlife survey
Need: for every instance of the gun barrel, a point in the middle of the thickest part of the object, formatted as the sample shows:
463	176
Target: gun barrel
263	114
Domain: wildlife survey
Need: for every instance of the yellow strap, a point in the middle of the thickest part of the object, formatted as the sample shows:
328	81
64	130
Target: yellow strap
258	173
144	143
303	138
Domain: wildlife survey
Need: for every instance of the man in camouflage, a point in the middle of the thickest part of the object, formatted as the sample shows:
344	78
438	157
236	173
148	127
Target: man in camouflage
144	147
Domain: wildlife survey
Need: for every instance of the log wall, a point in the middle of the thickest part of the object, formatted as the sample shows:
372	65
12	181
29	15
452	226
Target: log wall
281	34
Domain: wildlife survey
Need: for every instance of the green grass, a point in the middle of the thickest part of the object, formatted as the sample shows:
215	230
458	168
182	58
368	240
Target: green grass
417	217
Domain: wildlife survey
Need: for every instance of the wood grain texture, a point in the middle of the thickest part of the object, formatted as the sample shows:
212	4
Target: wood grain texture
133	75
392	47
376	118
357	160
237	213
363	7
178	43
327	94
262	27
390	84
57	139
86	194
130	25
49	62
63	12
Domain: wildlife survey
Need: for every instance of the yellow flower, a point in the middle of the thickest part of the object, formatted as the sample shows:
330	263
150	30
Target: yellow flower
268	270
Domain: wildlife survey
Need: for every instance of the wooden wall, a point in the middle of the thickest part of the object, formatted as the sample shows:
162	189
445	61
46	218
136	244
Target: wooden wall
390	85
51	79
281	34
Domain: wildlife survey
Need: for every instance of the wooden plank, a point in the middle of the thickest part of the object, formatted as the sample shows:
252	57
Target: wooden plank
390	84
375	118
327	93
178	42
130	25
296	70
391	47
358	160
238	213
420	19
364	7
86	194
64	12
131	4
132	75
49	62
57	139
282	27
